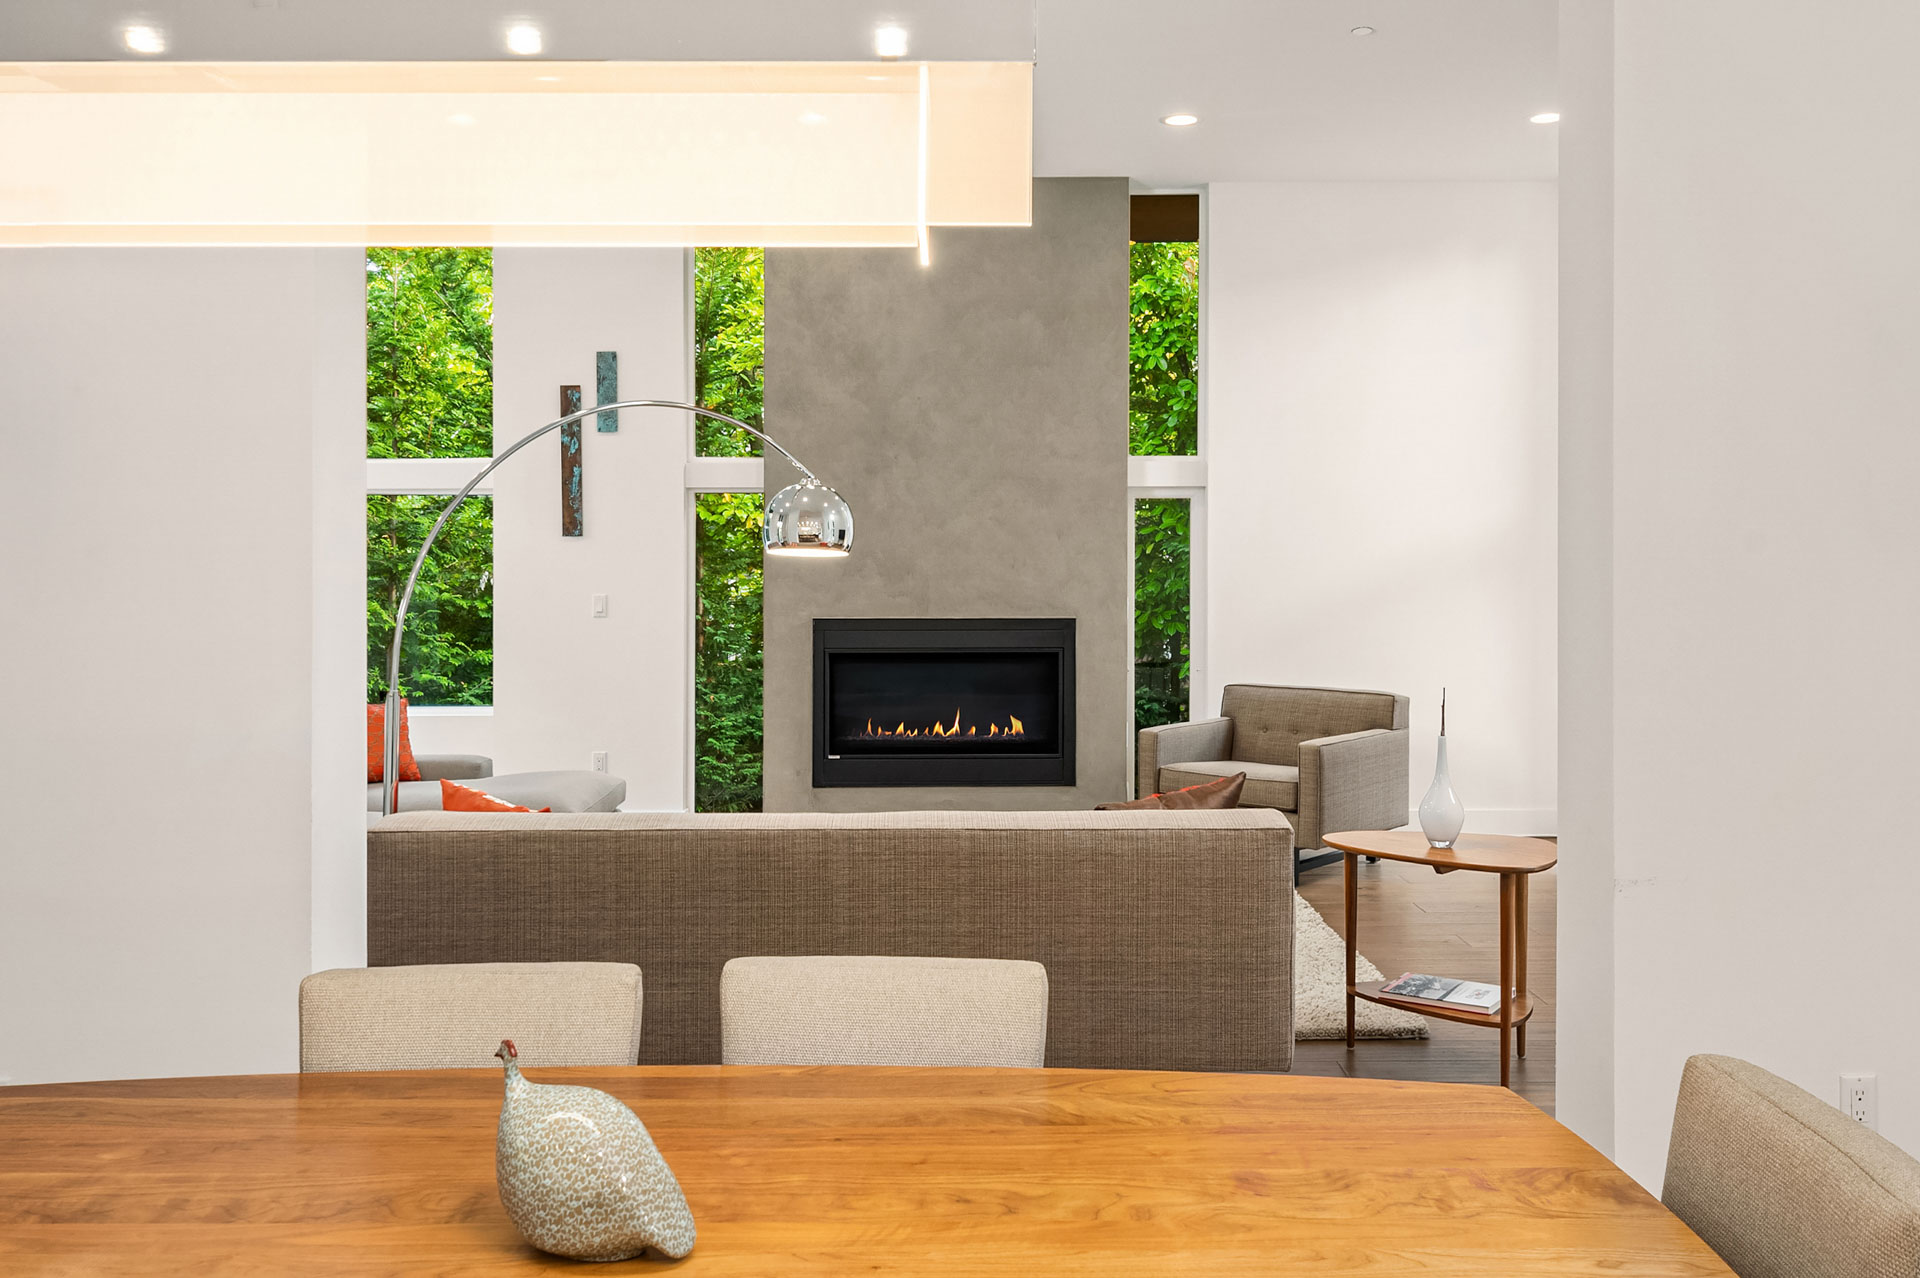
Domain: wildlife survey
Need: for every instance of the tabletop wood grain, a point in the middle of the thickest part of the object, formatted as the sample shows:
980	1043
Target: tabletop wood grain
800	1171
1499	853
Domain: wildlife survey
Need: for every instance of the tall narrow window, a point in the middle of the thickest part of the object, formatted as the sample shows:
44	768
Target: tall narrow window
727	653
728	338
430	394
729	346
1162	609
1164	350
1163	420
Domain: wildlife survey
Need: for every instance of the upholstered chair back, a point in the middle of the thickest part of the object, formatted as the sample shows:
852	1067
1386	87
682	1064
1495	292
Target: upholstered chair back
1783	1185
844	1010
453	1016
1270	722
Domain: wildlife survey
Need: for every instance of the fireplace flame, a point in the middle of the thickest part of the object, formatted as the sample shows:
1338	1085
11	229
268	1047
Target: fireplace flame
942	729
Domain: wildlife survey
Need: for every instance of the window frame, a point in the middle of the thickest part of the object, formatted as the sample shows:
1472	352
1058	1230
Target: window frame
1180	477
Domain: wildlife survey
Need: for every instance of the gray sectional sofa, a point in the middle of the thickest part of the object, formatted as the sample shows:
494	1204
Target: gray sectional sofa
1167	936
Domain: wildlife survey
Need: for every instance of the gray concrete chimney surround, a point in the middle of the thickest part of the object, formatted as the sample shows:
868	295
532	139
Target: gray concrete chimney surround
974	413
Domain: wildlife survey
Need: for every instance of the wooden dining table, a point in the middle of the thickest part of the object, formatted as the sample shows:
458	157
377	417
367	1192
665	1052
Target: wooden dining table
834	1170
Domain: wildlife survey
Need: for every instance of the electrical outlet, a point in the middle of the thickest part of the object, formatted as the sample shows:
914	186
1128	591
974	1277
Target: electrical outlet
1860	1099
599	760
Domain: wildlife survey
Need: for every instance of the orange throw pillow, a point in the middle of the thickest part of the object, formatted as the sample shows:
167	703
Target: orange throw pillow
461	798
377	745
1224	793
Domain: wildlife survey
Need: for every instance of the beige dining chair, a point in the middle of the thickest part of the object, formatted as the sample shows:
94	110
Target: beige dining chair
843	1010
453	1016
1782	1184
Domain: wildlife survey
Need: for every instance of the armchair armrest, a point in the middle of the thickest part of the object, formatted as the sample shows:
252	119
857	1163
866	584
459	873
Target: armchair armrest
1355	781
454	767
1180	743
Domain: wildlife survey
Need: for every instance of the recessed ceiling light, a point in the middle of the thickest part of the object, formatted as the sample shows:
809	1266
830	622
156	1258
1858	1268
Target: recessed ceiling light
1545	117
890	42
524	38
144	39
1361	31
462	119
1180	121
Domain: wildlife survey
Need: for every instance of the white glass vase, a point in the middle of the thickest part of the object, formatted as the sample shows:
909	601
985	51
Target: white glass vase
1441	815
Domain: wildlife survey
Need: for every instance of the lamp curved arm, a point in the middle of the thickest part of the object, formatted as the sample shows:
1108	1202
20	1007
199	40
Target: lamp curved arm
390	779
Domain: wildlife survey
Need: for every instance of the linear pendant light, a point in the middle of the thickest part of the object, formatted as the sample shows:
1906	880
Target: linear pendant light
511	153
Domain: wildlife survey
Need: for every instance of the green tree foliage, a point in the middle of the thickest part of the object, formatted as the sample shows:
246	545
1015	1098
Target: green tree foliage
429	352
729	327
729	346
1164	351
447	656
727	656
1162	544
1163	420
430	394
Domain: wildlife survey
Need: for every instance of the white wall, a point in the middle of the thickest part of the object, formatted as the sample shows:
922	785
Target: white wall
566	684
1380	369
1765	584
163	412
1583	1028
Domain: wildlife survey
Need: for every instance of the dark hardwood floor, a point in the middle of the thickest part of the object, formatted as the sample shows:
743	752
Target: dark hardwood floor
1412	919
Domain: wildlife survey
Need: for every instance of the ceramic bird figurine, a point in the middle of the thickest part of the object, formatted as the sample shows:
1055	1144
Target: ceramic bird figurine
580	1175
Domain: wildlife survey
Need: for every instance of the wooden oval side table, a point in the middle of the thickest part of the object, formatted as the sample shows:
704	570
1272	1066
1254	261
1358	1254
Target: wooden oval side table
1513	859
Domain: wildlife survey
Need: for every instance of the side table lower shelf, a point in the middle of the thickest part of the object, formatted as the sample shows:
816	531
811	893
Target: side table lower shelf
1370	991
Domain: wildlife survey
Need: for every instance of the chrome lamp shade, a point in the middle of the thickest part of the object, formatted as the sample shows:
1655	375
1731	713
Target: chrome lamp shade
808	519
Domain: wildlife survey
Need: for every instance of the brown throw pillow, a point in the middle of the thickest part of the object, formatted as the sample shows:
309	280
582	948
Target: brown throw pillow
1223	793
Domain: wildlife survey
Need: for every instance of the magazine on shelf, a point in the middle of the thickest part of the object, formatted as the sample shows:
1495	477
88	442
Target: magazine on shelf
1445	991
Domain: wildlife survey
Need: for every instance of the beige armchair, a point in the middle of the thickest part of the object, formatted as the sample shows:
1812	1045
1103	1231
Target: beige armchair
1329	758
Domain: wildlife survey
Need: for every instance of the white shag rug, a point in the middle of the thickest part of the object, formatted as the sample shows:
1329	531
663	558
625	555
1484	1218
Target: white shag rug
1320	986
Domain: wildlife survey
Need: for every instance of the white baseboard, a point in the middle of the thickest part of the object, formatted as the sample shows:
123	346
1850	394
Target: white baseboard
1523	821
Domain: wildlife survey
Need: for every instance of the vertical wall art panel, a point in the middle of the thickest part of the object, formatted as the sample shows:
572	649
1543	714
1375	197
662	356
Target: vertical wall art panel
571	516
606	386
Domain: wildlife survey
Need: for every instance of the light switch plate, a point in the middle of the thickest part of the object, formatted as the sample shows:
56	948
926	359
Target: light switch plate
599	606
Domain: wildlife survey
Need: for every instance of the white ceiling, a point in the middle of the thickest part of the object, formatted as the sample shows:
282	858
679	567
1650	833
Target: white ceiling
1442	89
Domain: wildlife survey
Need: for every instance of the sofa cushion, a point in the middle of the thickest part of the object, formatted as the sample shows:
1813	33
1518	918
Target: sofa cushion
561	791
455	797
1269	785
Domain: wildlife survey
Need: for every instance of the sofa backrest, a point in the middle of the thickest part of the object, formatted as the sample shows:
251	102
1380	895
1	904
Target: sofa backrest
1167	936
1270	721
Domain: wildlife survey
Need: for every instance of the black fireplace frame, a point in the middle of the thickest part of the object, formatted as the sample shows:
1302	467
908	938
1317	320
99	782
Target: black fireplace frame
957	634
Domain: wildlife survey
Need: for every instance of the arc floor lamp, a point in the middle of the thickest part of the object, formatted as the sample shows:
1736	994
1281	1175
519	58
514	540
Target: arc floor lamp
806	519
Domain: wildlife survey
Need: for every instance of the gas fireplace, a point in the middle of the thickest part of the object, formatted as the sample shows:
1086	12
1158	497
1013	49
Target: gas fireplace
969	701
